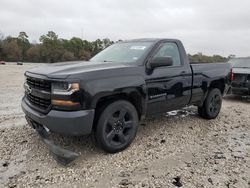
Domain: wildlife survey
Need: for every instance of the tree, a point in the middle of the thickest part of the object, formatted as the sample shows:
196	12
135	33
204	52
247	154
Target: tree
199	57
12	51
23	43
23	37
68	56
97	46
231	56
87	46
84	55
51	35
33	53
107	42
1	36
1	45
76	45
52	49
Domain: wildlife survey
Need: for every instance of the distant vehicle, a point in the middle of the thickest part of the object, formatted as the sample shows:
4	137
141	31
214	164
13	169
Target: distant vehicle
109	95
241	78
2	62
19	63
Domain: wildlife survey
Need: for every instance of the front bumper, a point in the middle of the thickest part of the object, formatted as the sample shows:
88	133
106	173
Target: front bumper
74	123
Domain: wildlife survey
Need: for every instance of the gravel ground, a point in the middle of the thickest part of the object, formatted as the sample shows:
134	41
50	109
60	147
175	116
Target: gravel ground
171	150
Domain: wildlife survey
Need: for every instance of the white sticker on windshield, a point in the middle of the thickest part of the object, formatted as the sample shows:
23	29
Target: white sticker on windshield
137	47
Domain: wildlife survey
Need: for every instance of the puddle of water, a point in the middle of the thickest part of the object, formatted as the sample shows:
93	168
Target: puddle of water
183	112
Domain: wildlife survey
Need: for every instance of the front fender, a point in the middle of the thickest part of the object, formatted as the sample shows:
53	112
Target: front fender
94	90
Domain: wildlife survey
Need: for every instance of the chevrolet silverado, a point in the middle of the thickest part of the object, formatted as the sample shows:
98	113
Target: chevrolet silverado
109	95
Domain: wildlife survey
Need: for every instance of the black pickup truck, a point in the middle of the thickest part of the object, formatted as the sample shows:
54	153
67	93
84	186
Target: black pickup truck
110	94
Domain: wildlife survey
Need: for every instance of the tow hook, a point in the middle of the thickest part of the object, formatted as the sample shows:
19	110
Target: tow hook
61	155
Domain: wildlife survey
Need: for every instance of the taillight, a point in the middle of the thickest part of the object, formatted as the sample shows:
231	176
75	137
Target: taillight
231	75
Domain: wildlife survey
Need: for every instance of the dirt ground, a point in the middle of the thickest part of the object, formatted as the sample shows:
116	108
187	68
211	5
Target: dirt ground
171	150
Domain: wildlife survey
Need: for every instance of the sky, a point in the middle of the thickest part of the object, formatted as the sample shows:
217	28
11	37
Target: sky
208	26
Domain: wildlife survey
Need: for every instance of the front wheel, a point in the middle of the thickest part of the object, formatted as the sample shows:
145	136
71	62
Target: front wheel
212	104
117	126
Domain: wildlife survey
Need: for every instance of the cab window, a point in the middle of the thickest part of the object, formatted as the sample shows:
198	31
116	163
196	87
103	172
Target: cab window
170	49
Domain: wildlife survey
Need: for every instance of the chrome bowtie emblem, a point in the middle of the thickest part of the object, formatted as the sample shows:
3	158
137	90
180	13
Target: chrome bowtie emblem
27	88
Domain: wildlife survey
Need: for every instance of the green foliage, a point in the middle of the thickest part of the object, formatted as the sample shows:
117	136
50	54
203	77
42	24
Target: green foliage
68	56
54	49
34	53
1	44
50	49
11	50
199	57
23	44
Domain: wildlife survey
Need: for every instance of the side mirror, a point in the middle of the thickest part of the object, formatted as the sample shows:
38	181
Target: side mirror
161	62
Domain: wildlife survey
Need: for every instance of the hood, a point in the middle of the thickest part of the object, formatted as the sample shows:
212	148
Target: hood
241	70
65	69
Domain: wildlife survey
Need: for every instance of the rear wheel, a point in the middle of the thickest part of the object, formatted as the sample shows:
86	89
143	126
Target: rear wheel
116	126
212	104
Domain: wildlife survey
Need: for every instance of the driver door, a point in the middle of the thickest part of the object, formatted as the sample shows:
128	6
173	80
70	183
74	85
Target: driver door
169	87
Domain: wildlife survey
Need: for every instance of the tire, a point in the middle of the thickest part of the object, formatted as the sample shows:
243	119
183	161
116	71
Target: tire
117	126
212	104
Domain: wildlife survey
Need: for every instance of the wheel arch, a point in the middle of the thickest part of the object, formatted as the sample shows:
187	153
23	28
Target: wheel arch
134	96
219	84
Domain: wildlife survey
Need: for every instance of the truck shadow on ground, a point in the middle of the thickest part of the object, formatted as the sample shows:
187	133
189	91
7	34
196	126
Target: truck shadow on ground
165	123
85	145
237	98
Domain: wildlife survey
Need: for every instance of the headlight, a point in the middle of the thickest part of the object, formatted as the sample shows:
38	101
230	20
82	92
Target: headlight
63	88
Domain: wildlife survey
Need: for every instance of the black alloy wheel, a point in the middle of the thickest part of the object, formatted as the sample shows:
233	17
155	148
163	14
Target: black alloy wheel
215	104
212	104
117	126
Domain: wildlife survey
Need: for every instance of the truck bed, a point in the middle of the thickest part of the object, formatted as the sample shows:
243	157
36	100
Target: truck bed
208	73
211	70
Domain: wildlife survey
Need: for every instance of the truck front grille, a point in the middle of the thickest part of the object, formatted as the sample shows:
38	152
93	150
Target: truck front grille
38	93
239	78
38	102
39	84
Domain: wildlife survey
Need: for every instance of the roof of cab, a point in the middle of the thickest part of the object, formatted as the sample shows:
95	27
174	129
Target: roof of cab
149	40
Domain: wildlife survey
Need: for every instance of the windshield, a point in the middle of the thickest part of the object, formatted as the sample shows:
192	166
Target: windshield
240	62
123	52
